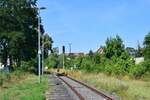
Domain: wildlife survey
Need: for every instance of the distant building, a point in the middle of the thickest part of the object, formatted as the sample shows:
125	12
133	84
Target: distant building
75	54
139	60
101	50
131	51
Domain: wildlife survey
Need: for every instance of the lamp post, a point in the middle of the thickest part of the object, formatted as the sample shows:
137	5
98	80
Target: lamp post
43	54
39	43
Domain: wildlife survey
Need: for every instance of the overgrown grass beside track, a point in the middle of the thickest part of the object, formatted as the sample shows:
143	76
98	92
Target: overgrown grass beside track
24	87
123	87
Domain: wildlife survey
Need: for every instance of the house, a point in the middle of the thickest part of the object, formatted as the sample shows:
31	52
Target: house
131	51
76	54
101	50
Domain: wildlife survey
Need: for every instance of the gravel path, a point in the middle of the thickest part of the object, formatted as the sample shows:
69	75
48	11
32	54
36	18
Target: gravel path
60	91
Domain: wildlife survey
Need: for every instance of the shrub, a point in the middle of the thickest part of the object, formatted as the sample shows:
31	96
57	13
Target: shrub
140	70
29	66
52	61
18	73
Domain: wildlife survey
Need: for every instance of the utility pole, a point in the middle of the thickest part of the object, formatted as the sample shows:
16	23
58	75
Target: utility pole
69	47
39	48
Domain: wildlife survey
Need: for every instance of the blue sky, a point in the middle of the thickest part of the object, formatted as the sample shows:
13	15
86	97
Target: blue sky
86	24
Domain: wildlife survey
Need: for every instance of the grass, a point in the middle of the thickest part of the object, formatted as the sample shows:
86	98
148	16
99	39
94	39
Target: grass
24	88
124	88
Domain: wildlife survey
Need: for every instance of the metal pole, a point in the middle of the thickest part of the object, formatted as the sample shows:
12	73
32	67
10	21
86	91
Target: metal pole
39	43
39	48
69	48
43	54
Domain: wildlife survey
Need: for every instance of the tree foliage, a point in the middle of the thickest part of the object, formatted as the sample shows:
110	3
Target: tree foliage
47	45
115	60
18	31
147	47
114	47
53	59
139	52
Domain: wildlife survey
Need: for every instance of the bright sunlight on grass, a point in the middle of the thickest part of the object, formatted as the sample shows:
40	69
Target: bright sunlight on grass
125	88
25	89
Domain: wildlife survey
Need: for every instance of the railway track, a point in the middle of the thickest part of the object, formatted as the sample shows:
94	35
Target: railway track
83	91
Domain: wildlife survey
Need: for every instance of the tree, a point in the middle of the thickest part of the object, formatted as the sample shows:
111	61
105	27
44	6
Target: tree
11	46
114	47
91	53
18	34
53	60
97	58
147	47
47	45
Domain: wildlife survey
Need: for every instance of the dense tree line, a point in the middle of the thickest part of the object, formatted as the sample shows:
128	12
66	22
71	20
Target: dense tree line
18	31
114	60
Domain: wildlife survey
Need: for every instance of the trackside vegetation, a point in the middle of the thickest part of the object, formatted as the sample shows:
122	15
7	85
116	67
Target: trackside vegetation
24	86
18	50
19	32
114	70
122	88
114	60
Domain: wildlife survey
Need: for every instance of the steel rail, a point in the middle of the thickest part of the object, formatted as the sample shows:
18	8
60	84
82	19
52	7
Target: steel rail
72	88
92	89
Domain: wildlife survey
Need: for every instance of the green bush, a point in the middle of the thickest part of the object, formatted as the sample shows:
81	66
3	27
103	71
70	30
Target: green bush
6	77
140	70
117	66
112	66
52	61
18	73
29	66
